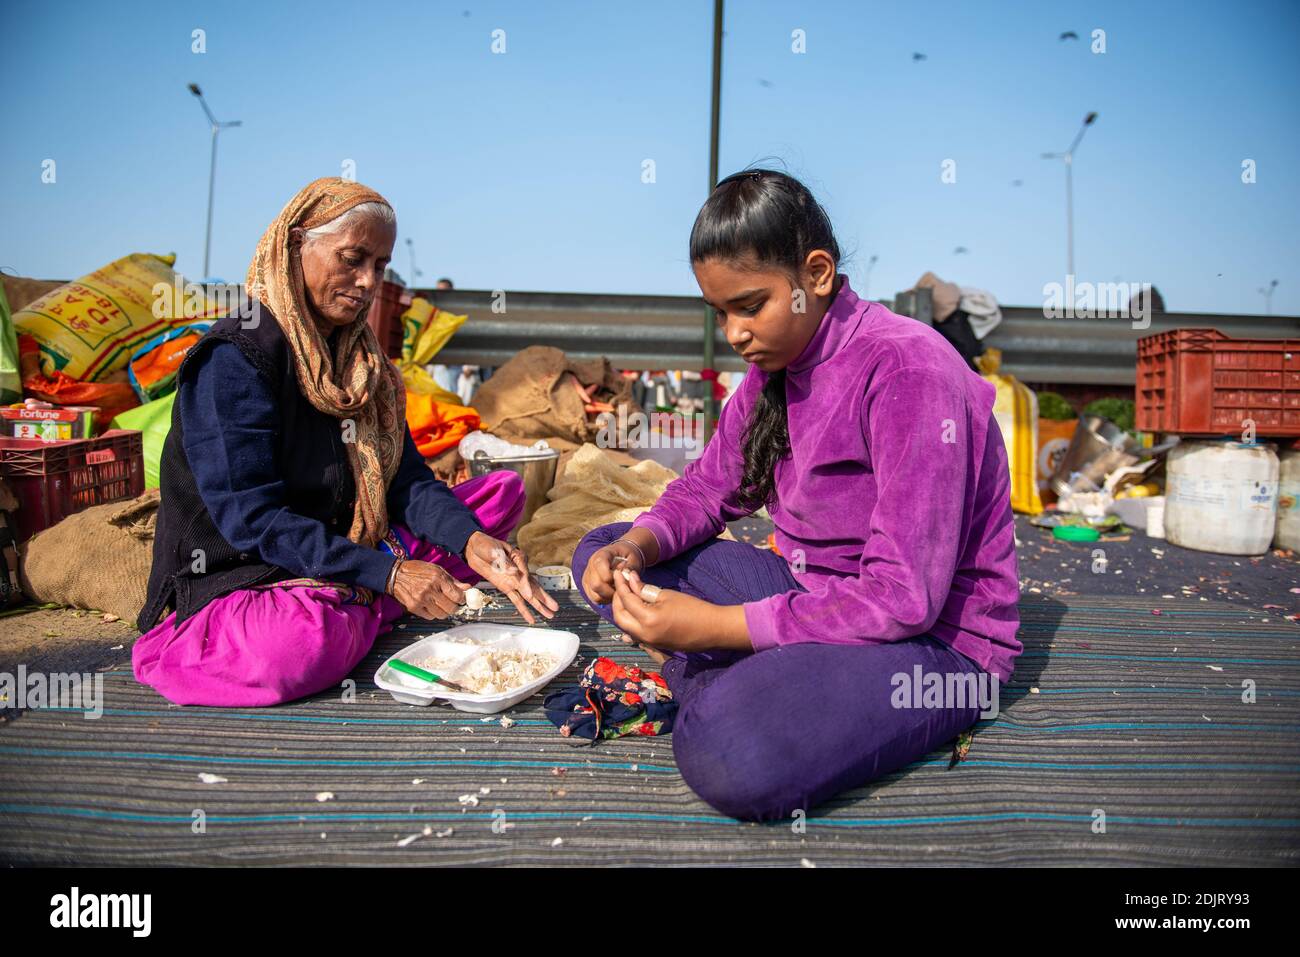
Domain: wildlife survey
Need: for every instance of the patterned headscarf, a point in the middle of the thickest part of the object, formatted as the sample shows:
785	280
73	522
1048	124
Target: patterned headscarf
358	382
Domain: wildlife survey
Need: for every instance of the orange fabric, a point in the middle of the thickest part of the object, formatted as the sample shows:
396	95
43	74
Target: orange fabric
437	426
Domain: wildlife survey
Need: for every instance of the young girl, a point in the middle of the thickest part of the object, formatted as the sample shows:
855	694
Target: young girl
875	450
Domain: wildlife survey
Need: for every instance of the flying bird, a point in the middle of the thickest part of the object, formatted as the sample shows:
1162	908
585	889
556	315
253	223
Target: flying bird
959	250
917	56
1068	35
1017	182
766	83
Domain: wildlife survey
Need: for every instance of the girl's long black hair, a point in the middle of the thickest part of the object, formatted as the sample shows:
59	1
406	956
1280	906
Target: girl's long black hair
770	220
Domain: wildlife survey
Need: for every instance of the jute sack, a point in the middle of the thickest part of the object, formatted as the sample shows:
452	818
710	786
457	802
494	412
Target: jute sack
593	491
533	396
99	558
20	290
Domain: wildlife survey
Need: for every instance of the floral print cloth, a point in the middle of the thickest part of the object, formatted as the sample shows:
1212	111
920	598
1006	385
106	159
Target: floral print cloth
612	701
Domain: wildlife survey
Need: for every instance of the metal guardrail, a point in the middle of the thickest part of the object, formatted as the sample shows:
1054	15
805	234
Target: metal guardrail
664	332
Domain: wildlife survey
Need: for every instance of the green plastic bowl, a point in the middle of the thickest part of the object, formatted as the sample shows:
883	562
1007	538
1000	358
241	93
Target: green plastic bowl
1075	533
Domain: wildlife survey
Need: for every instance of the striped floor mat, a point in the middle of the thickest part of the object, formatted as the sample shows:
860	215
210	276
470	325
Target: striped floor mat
1112	709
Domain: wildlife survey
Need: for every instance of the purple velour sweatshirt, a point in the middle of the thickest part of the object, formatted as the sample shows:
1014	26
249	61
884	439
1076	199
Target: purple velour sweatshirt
894	506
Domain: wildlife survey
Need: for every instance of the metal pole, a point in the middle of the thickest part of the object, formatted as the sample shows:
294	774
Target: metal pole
212	169
410	247
212	182
710	323
1069	214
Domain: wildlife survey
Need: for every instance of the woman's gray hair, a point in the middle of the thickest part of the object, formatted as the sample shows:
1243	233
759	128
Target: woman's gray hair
380	211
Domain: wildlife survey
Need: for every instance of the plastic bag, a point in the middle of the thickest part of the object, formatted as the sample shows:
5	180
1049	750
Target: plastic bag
1016	411
88	328
593	491
11	387
437	426
153	420
154	365
419	382
111	398
425	330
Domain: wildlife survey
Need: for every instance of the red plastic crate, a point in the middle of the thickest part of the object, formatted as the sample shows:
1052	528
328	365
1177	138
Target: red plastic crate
1201	382
53	480
385	317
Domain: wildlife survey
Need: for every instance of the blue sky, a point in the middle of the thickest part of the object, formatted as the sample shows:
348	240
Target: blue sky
523	170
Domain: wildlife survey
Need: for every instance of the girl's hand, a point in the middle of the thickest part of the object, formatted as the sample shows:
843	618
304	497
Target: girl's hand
603	567
506	567
671	622
428	590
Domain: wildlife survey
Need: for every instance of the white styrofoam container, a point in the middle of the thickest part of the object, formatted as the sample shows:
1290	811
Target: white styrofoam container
410	690
1134	511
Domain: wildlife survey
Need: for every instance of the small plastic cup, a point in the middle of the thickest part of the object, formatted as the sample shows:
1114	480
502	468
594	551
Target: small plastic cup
555	577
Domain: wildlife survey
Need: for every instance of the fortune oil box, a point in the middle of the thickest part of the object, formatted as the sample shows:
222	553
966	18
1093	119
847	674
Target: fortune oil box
49	425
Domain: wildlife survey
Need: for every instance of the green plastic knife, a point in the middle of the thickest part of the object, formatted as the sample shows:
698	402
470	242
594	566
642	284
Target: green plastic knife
397	664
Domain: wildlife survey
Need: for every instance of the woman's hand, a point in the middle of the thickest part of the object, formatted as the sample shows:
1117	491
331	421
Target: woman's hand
506	568
428	590
603	567
672	621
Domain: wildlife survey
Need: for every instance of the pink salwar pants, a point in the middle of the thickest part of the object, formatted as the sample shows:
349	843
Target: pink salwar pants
265	646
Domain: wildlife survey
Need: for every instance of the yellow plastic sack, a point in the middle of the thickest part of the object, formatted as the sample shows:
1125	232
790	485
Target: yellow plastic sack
419	382
425	330
1016	411
88	328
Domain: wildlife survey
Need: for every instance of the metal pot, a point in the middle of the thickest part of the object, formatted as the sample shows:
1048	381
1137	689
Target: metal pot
537	469
1098	447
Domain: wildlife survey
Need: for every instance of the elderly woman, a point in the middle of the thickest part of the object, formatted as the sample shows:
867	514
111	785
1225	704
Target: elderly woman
297	518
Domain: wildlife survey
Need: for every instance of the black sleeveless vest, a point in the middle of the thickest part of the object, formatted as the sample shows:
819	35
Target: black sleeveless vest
313	463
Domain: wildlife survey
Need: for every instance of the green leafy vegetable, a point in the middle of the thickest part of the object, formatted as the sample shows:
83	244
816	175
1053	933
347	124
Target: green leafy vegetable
1120	411
1052	405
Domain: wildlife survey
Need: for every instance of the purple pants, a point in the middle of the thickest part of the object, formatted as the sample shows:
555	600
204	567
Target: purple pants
761	736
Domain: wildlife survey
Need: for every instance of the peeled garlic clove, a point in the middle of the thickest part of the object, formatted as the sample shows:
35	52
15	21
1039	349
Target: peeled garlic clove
475	599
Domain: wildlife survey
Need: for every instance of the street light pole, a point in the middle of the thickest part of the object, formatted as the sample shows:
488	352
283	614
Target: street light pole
217	127
1069	214
714	123
415	273
1068	157
1267	293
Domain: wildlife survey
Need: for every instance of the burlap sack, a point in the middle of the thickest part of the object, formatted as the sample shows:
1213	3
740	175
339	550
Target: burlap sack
99	558
21	291
532	396
593	491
